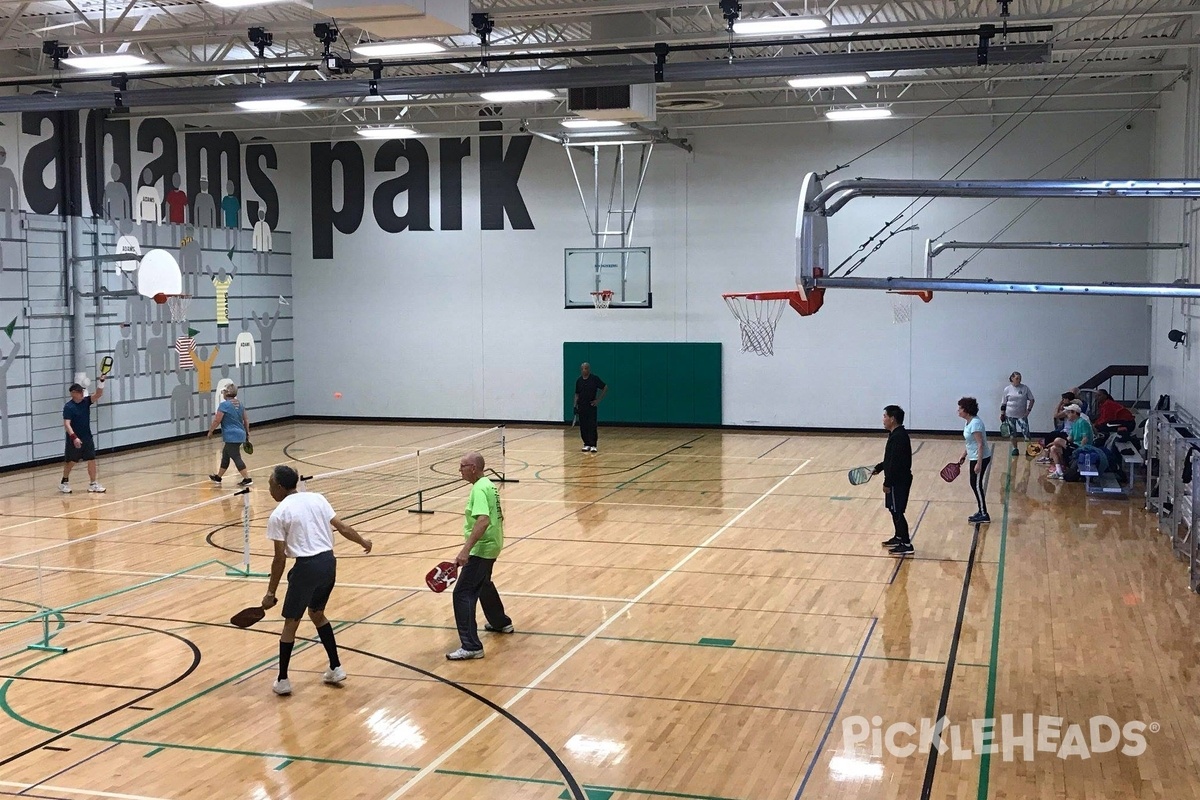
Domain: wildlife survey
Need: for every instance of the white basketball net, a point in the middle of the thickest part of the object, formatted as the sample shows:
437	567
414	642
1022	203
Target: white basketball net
901	308
757	319
602	299
179	304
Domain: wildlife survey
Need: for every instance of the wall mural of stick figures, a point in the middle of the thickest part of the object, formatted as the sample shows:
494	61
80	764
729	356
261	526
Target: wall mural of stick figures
10	195
125	362
264	337
245	353
117	205
182	407
191	260
204	213
231	209
262	241
158	350
222	279
8	361
148	207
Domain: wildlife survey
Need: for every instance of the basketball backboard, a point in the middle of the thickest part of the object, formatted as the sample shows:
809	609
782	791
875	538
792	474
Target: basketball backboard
625	271
159	274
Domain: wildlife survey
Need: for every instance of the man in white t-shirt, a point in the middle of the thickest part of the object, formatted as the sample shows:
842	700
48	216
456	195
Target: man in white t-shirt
300	528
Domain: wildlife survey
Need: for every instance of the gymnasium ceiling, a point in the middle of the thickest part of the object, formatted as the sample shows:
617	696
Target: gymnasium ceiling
1106	54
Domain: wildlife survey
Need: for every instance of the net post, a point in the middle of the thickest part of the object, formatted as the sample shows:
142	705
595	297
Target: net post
420	509
43	644
244	570
502	474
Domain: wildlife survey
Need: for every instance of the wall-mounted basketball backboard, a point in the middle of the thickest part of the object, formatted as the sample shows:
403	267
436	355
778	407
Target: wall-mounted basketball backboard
624	271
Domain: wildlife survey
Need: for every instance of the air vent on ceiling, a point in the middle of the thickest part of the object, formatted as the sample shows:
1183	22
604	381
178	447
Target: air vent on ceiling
688	104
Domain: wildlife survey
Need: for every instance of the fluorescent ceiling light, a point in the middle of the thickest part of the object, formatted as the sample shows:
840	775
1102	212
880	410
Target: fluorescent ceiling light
591	123
277	104
389	132
518	96
826	81
241	3
115	61
896	73
845	114
398	48
387	98
768	25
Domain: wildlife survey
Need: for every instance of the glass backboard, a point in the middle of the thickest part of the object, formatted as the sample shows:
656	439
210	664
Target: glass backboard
625	271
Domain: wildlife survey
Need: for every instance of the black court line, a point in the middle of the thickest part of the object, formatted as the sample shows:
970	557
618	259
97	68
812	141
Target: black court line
57	749
944	701
786	439
91	684
68	768
913	537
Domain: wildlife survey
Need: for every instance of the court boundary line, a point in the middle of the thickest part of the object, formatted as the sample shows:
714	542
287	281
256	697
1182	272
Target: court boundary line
441	759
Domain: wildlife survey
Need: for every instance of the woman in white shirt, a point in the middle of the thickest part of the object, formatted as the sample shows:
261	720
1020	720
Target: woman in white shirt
978	452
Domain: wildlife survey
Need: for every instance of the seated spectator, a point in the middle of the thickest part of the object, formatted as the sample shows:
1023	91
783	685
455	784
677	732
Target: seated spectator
1080	434
1061	426
1112	416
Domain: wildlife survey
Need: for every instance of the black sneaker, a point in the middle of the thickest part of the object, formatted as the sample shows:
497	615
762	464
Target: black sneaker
215	478
902	550
979	518
892	542
1016	452
245	482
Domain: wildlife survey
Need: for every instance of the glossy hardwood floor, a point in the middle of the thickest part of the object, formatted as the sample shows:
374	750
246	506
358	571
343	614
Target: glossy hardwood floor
699	615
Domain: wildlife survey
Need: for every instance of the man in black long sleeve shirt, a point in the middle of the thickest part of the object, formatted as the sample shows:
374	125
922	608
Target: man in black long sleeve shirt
897	478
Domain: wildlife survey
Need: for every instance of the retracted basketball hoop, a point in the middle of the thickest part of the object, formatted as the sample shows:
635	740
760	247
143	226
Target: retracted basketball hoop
602	299
758	314
902	303
178	303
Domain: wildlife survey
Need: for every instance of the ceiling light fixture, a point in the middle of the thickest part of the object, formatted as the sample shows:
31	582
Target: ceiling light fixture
390	132
827	81
771	25
241	3
384	49
590	123
114	61
518	96
275	104
847	114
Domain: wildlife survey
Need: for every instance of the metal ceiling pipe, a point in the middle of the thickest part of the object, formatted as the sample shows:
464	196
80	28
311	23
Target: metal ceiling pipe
845	191
571	77
1008	287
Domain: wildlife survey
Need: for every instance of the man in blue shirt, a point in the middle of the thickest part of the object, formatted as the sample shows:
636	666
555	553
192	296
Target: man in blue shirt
77	420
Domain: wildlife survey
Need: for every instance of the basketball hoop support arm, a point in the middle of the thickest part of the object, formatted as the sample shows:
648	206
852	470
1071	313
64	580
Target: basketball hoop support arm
817	204
934	248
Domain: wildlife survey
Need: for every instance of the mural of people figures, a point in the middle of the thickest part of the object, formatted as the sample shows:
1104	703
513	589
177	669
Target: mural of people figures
117	205
137	316
148	207
231	209
182	407
225	380
244	353
127	243
221	282
158	351
185	347
177	202
125	363
204	364
10	197
191	260
204	213
264	337
8	361
262	240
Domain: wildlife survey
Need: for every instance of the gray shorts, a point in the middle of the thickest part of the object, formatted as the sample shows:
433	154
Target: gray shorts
310	582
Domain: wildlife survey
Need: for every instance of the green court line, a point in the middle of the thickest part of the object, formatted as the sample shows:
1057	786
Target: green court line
989	711
592	794
283	764
154	752
839	497
717	642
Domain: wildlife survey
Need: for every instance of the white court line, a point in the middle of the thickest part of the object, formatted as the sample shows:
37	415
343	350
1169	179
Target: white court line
84	792
437	762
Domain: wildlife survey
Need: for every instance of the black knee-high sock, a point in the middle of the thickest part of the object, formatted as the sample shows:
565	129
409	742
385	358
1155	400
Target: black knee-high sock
326	634
285	657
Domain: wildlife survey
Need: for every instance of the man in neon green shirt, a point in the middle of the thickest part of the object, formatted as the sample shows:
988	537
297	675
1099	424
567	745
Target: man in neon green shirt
483	529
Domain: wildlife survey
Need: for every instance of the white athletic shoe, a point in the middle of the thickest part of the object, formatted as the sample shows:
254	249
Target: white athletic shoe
283	687
463	655
64	487
97	488
584	449
334	676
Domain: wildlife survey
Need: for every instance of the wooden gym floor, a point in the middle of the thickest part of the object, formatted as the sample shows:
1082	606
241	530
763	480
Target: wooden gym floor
699	614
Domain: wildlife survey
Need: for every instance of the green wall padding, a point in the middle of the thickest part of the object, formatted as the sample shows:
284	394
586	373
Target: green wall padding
675	383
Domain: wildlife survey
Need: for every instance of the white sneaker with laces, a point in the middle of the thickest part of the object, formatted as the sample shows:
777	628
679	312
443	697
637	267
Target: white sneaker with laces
97	488
64	487
334	676
463	655
282	687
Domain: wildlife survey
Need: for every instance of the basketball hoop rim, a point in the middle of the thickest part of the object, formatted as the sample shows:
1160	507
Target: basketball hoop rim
926	295
784	295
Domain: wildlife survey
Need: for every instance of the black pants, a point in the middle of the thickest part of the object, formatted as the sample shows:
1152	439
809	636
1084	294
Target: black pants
232	451
979	482
475	585
896	501
587	424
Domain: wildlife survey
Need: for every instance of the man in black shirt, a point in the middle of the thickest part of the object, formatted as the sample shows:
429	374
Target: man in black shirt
587	386
897	478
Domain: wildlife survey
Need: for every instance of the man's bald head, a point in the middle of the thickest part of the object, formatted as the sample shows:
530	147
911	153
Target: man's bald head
470	466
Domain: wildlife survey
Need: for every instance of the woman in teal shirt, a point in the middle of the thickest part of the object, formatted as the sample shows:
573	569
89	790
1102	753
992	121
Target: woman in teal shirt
978	452
1080	433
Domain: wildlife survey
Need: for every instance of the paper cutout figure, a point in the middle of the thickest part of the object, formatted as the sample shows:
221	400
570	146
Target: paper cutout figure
204	213
191	260
116	197
230	212
245	351
264	338
184	346
127	243
222	279
158	350
262	240
8	360
204	364
218	393
181	403
10	196
125	362
147	208
177	202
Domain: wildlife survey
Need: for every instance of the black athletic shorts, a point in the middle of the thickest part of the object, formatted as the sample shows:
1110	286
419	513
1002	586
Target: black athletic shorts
310	582
85	452
896	500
